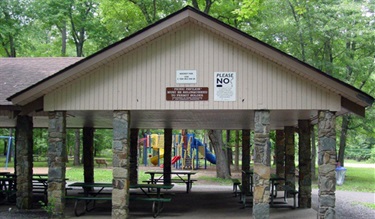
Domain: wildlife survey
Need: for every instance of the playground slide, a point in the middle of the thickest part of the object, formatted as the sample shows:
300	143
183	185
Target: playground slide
155	159
209	155
174	160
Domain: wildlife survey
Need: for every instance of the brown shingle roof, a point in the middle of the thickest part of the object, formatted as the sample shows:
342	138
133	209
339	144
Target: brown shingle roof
17	74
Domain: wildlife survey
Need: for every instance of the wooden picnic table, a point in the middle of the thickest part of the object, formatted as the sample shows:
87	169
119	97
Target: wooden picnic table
89	195
4	173
157	199
40	175
180	178
274	181
7	187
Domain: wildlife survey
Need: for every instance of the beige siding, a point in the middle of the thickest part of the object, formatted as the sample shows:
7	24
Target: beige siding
138	80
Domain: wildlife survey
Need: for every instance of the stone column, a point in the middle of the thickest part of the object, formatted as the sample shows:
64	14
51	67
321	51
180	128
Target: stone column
24	161
290	167
280	157
262	165
88	154
245	160
304	155
134	156
327	165
57	159
167	156
121	165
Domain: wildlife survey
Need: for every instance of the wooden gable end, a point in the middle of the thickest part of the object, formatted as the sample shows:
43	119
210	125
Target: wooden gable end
138	79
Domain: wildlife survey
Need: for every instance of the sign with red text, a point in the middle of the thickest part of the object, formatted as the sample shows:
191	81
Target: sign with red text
187	93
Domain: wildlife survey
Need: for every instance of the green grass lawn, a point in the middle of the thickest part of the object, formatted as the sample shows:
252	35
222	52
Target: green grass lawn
357	178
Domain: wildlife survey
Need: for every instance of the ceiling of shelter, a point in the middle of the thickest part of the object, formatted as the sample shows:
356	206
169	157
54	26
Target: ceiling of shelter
183	119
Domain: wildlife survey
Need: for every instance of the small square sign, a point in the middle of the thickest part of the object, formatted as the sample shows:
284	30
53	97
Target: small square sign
186	76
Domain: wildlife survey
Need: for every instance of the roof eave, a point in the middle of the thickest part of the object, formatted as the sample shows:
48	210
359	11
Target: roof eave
347	91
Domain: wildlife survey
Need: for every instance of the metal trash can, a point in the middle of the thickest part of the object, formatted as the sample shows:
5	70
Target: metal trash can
340	175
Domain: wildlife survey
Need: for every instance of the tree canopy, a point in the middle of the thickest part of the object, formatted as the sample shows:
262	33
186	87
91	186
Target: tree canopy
335	36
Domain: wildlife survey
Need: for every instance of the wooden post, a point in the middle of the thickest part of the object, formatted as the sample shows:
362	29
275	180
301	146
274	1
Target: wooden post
88	154
167	156
245	160
133	156
304	155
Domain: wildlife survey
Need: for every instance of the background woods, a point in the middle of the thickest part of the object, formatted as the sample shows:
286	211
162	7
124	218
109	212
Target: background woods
335	36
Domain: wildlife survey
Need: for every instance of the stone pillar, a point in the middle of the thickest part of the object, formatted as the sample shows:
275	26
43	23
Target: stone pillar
121	165
88	154
134	156
167	156
280	157
57	159
304	155
24	164
290	167
245	160
327	165
262	165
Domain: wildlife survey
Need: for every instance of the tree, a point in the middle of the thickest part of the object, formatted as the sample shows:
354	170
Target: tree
81	15
54	14
222	167
77	147
337	37
12	20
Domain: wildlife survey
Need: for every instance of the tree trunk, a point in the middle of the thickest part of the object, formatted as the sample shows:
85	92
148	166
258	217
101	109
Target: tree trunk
207	6
237	152
229	149
344	130
77	147
222	170
63	40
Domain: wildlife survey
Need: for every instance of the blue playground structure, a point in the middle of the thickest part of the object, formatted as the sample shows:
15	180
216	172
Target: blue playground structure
186	151
10	143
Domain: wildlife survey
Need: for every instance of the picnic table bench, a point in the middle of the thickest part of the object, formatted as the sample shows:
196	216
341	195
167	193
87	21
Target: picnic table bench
157	198
180	178
7	187
89	198
101	161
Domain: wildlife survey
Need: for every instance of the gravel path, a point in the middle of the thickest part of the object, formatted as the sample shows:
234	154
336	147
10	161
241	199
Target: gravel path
350	205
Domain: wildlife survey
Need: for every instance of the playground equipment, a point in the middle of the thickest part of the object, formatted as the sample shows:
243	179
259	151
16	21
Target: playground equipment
10	143
197	150
157	144
186	151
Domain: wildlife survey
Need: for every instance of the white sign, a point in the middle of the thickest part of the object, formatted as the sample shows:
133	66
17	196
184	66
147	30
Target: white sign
225	86
186	76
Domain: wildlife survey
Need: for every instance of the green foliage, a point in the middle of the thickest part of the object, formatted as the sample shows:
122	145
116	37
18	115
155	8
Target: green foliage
40	137
338	37
102	141
49	207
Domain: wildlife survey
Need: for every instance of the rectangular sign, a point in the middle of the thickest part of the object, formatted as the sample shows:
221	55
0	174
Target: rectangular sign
225	86
186	76
187	93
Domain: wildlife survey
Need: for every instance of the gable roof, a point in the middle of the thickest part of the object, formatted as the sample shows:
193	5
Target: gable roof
18	74
352	99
